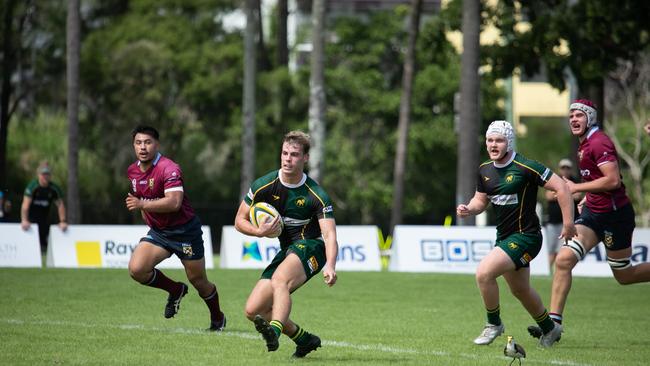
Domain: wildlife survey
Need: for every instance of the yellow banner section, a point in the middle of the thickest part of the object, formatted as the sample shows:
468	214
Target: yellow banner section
88	254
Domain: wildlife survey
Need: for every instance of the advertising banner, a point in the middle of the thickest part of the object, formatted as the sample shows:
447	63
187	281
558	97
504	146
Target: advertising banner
19	248
358	249
448	249
107	246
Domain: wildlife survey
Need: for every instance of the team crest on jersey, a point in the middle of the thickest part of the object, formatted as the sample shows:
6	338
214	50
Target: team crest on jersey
151	182
608	240
580	155
300	201
133	184
313	264
513	246
509	178
187	249
300	246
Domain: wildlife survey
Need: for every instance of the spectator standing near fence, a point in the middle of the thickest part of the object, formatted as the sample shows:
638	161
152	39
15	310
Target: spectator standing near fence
39	196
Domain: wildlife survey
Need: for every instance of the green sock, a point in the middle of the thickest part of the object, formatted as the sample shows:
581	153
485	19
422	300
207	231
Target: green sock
545	322
494	315
277	326
300	337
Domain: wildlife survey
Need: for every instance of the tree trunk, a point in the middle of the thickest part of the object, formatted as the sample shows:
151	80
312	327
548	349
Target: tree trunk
595	91
73	45
282	94
317	103
469	107
405	115
248	117
282	57
5	95
263	55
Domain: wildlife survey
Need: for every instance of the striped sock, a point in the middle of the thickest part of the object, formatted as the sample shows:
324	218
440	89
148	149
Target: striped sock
544	321
300	337
277	327
494	315
556	317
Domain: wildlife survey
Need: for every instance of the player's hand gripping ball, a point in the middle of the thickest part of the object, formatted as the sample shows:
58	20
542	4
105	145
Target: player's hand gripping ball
262	212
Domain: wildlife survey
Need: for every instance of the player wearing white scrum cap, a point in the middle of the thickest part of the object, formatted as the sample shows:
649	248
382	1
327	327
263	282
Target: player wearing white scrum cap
510	182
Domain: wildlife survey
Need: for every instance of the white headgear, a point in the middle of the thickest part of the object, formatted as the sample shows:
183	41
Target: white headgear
588	108
503	128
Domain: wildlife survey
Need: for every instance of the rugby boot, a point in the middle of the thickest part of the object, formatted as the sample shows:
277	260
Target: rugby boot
264	328
489	334
536	332
548	339
174	302
219	325
311	345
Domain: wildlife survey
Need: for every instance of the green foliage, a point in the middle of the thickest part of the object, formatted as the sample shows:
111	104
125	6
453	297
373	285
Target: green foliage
597	33
49	128
171	64
115	321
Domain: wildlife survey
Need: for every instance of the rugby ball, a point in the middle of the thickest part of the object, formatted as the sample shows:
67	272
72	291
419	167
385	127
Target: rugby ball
261	212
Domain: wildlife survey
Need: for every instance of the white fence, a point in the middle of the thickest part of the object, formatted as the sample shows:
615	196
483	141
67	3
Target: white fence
106	246
19	248
415	249
358	249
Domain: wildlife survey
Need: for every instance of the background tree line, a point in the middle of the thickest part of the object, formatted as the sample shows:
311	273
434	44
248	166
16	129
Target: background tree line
174	65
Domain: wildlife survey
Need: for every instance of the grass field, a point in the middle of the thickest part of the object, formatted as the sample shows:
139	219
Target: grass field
102	317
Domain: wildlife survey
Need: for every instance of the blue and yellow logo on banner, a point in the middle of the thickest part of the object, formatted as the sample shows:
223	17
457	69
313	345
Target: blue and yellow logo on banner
251	251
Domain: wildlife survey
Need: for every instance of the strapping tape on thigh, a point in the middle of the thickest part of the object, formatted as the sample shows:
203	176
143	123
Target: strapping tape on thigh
576	247
620	263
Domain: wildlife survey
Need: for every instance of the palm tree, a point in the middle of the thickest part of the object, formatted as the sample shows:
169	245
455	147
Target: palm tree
73	43
248	117
317	103
8	59
405	115
469	107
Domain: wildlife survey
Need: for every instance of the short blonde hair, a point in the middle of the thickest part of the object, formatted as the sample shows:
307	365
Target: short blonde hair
300	138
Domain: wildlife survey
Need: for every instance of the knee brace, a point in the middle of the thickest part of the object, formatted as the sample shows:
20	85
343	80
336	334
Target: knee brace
576	247
619	264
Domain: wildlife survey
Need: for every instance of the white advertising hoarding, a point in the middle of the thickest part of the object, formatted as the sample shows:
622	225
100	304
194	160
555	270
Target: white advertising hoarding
19	248
448	249
358	249
107	246
460	249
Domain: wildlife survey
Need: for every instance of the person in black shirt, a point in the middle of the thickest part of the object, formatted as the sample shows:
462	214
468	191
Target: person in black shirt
39	195
553	226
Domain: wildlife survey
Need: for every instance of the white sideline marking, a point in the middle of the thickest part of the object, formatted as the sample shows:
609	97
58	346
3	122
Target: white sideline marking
256	336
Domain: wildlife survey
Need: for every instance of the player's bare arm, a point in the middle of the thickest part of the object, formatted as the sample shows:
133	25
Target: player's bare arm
610	180
476	205
24	213
63	222
244	226
565	200
328	230
170	203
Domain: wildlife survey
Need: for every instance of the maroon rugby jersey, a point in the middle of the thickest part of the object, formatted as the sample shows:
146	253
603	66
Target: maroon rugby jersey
163	176
597	149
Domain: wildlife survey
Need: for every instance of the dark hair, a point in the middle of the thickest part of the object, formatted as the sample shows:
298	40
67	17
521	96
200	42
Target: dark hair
147	130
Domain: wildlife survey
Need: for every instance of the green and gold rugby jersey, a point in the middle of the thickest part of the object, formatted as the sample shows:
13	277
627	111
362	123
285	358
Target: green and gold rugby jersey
300	205
512	189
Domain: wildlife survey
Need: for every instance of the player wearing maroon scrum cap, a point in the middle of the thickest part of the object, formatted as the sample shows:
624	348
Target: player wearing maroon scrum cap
606	212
